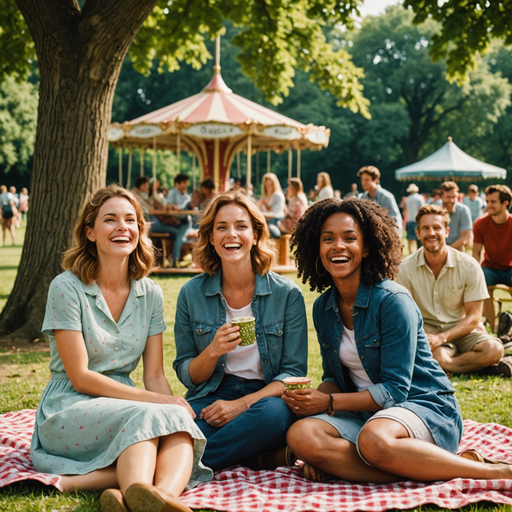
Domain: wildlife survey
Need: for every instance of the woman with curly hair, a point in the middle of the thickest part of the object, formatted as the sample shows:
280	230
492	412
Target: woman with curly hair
93	425
235	388
385	410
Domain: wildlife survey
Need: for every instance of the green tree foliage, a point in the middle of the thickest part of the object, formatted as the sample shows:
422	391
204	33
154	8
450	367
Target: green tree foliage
467	28
18	118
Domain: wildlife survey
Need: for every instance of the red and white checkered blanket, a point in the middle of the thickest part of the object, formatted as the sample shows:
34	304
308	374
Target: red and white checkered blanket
242	490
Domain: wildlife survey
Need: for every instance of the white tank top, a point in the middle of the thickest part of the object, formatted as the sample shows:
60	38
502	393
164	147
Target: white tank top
350	358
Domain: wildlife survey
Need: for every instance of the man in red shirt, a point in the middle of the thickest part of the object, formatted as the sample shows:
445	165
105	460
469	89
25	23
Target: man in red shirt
494	231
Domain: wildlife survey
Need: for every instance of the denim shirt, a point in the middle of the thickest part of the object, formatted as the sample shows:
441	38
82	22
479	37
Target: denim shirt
395	353
281	328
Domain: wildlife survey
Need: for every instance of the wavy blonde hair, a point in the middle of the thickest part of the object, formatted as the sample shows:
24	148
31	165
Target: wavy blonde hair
263	253
326	180
275	183
82	257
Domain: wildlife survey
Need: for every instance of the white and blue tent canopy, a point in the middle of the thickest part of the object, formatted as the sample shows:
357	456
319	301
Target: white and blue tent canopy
449	163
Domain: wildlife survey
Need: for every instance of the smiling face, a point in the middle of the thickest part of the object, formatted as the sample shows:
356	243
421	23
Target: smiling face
115	230
449	199
182	186
269	187
494	206
432	233
233	236
367	182
342	246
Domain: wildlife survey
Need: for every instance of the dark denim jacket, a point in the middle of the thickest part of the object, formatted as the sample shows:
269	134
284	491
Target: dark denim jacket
395	353
281	328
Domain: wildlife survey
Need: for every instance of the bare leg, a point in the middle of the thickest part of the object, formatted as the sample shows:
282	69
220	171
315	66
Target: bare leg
174	463
136	465
489	312
13	233
95	481
484	354
385	444
318	443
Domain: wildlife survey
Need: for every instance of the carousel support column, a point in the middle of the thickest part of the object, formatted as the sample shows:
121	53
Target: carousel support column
290	163
154	158
249	161
121	166
268	160
216	163
257	168
193	172
238	173
298	163
130	158
178	151
141	151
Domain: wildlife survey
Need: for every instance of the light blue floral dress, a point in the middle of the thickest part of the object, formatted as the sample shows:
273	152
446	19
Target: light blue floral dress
74	433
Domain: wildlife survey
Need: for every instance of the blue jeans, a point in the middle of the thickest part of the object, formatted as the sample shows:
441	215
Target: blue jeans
494	276
179	232
262	427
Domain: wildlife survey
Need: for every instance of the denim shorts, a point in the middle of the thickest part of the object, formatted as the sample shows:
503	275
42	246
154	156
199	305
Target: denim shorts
349	424
494	276
410	229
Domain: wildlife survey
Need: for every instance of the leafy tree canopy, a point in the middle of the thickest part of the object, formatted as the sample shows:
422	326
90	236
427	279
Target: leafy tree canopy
467	29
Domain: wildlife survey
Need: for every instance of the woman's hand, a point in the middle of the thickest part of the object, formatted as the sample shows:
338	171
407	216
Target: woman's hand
221	412
226	339
306	402
176	400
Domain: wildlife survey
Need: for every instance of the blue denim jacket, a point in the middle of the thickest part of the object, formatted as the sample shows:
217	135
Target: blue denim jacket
281	328
395	353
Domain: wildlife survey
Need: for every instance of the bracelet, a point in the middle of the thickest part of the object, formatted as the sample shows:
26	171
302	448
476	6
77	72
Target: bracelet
330	409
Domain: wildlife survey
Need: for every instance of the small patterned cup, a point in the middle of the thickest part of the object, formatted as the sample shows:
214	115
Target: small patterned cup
247	329
293	383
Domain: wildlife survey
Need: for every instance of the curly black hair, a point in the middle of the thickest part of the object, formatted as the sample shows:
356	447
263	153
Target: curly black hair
379	236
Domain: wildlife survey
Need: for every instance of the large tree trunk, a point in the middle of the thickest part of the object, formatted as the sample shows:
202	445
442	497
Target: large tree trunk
80	56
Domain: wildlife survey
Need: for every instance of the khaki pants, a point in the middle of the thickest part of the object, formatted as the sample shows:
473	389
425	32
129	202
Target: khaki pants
464	344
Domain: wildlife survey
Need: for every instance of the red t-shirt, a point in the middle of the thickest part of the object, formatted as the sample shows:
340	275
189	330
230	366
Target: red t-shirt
497	240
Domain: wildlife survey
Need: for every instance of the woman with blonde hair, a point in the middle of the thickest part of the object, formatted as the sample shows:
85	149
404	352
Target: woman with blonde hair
297	205
93	425
272	202
324	188
233	389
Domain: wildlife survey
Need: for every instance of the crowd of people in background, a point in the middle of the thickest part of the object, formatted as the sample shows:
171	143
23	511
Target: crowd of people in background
13	208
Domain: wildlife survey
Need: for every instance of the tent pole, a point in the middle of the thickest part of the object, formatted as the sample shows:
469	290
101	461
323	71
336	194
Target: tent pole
178	151
216	157
121	166
290	163
249	160
193	172
154	158
298	163
130	158
141	151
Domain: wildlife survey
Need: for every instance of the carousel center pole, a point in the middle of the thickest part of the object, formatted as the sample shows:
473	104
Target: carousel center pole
130	157
290	163
141	152
298	163
249	160
154	158
121	166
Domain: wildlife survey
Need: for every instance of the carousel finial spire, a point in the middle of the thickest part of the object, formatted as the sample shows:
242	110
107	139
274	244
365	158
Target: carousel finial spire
216	68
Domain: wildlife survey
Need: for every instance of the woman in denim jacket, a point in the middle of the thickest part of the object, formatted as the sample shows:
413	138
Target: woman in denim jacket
235	390
385	410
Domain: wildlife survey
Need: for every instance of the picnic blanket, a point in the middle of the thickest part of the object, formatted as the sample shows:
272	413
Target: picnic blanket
242	490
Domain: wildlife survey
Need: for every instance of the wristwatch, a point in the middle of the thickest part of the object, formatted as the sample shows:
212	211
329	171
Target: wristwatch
330	409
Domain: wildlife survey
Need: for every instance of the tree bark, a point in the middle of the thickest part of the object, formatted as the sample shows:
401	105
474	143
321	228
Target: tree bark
80	54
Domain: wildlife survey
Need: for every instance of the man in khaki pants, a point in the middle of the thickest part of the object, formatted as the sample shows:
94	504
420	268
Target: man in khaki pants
449	288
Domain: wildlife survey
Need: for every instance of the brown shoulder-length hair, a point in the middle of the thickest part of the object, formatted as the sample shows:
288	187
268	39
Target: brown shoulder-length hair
263	253
82	257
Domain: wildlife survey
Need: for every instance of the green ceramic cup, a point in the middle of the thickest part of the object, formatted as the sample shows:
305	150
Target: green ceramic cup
247	329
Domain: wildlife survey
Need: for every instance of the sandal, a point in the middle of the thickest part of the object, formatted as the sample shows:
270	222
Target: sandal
478	457
276	458
319	475
111	500
148	498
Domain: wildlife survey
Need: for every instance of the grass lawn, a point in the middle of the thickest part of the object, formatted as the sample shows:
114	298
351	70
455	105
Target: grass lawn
24	374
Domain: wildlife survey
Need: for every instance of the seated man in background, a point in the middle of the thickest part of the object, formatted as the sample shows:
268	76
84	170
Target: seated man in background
460	216
494	231
474	202
207	188
449	288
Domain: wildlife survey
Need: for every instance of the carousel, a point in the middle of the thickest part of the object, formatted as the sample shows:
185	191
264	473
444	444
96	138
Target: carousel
215	126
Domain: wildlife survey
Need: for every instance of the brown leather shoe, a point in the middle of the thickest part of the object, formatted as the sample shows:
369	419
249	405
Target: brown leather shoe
111	500
148	498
